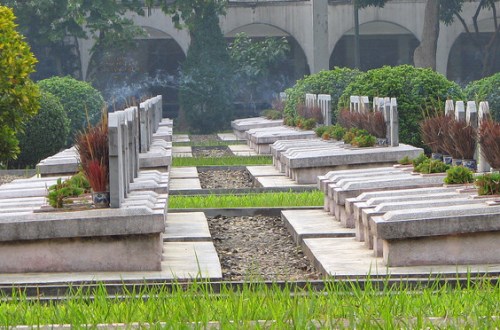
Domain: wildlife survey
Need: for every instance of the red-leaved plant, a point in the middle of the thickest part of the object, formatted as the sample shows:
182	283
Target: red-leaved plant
92	146
489	139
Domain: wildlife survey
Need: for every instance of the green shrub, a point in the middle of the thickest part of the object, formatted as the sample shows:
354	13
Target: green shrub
19	96
488	184
326	136
363	141
331	82
432	166
416	90
419	159
45	134
79	100
458	174
405	161
486	89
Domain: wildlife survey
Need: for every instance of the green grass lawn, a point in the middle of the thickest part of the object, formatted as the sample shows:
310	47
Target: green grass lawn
271	199
222	161
340	305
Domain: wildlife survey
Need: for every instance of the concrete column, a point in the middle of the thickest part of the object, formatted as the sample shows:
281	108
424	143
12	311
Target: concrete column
459	111
483	114
394	123
321	56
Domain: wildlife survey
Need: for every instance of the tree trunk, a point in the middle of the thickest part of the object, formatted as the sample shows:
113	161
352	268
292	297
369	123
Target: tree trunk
425	54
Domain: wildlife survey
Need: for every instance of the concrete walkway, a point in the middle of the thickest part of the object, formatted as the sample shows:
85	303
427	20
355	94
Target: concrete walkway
334	251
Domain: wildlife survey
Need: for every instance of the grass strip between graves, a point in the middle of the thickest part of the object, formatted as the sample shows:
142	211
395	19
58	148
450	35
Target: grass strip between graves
222	161
271	199
339	305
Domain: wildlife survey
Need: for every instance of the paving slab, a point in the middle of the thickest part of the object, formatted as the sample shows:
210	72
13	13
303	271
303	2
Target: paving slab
242	150
182	152
303	224
277	181
183	172
263	170
180	138
185	184
347	258
191	260
229	137
186	227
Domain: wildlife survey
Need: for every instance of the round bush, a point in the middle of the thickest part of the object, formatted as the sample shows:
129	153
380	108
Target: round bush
417	90
79	100
486	89
331	82
45	134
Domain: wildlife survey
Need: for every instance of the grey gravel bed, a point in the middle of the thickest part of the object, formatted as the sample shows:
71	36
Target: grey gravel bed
258	248
226	179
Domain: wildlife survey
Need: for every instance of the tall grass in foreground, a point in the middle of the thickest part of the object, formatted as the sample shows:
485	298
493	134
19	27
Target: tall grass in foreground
222	161
272	199
340	305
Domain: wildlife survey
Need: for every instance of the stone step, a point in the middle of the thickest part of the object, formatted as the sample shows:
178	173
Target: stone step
343	257
303	224
185	184
183	172
186	227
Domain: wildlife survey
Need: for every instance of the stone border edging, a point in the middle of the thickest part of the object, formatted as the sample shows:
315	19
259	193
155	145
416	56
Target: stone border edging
241	191
244	211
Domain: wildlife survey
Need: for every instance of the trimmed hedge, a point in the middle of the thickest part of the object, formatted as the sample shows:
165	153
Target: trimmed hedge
45	134
331	82
486	89
78	99
417	90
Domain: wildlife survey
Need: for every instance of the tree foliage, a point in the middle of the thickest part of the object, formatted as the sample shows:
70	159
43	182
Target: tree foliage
19	96
53	26
486	89
205	84
252	61
416	89
44	134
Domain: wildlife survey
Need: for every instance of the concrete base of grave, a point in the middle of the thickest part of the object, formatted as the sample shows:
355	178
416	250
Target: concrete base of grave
128	239
81	254
463	249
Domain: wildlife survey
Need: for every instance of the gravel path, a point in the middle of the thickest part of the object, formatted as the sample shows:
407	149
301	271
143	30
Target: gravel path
258	247
227	179
214	152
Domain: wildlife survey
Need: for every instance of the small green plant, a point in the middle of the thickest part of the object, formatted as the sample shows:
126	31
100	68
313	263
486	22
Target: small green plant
272	114
326	136
364	141
59	192
405	161
308	124
488	184
337	132
352	133
419	160
320	130
432	166
458	175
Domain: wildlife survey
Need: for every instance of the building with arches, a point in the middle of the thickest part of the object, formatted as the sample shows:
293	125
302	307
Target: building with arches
320	34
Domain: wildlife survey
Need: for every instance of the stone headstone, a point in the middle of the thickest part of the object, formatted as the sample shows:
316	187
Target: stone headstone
325	103
387	118
449	108
460	111
116	175
364	105
311	100
394	123
353	105
471	114
483	114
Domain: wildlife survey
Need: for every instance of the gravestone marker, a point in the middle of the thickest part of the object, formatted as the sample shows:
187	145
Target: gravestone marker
460	111
325	103
449	108
483	114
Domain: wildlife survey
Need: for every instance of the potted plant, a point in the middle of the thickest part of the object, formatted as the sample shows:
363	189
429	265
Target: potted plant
464	139
92	146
